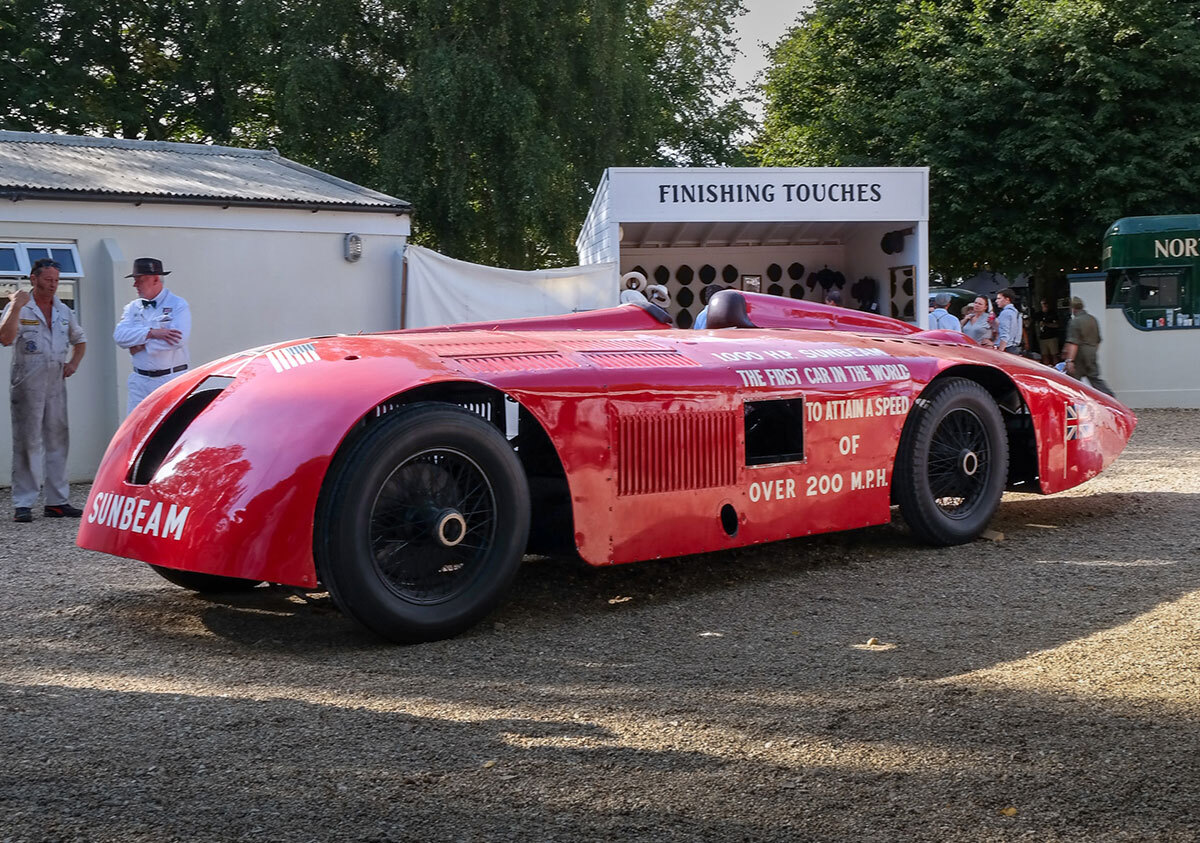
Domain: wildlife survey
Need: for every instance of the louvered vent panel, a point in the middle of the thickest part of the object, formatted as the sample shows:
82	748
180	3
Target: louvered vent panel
639	359
489	347
675	452
612	344
514	363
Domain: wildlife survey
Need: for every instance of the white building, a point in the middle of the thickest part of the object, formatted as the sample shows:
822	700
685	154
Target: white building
768	230
264	249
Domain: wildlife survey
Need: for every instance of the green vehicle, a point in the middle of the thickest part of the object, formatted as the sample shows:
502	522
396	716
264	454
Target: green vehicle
1152	267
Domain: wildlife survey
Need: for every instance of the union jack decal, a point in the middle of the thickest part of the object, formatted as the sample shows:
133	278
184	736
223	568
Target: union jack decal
293	356
1079	424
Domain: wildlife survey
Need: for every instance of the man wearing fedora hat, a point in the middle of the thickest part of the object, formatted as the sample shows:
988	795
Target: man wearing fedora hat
41	330
155	328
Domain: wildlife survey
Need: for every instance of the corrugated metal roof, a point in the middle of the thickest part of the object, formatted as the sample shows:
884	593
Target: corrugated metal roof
68	166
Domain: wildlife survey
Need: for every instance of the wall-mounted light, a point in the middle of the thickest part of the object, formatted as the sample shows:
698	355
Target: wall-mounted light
353	246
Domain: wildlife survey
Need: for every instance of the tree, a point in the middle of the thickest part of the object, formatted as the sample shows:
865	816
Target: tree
161	71
495	118
509	112
1041	122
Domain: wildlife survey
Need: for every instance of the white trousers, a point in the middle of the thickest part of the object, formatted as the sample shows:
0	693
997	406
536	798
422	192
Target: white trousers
140	386
40	436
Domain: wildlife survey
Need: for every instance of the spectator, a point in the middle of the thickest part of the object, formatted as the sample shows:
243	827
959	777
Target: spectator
939	317
1083	344
155	328
43	329
978	323
1008	322
833	298
1047	325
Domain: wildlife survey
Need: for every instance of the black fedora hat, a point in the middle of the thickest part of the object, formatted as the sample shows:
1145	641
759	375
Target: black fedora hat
147	266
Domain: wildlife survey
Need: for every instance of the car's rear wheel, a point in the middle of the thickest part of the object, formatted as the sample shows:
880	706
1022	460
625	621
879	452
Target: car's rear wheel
952	463
422	523
204	583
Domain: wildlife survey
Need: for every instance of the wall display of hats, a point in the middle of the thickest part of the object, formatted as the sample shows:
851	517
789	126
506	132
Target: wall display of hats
774	274
690	286
902	286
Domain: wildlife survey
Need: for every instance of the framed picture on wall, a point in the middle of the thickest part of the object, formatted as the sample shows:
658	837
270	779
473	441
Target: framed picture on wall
902	289
752	283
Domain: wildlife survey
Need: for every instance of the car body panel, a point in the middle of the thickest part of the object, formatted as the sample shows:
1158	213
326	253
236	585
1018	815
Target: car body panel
648	422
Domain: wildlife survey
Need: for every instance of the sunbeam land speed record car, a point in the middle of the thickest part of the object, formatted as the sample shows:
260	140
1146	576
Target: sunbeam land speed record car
408	472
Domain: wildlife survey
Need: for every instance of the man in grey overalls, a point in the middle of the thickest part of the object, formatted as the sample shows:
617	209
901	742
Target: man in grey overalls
41	330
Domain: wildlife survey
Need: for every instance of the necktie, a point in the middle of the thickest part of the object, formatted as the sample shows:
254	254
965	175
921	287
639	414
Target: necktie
149	303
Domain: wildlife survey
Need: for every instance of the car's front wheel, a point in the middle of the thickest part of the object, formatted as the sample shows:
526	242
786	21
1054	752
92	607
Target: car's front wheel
422	523
952	463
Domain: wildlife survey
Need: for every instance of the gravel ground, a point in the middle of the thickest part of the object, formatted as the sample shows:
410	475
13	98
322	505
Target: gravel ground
851	687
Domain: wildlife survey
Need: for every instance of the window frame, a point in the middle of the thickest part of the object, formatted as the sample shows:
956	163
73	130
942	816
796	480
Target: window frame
69	281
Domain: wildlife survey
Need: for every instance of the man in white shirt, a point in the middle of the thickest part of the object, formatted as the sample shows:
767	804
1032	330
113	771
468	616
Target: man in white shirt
939	317
1008	322
155	327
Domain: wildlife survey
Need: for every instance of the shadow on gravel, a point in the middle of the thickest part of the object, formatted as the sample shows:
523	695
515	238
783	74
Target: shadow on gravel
182	766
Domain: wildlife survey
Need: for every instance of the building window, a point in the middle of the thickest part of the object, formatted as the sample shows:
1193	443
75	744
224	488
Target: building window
17	259
1153	297
65	256
9	264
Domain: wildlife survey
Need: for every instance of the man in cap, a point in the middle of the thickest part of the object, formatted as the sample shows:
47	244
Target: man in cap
1082	346
939	316
42	329
155	327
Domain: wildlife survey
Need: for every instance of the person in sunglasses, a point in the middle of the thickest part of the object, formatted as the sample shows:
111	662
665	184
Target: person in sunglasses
155	327
42	330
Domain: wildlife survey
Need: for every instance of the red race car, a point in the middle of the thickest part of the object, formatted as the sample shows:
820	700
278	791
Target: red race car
408	472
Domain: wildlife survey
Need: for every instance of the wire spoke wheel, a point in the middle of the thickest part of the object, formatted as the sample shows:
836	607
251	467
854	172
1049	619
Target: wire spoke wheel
959	464
422	523
952	463
431	524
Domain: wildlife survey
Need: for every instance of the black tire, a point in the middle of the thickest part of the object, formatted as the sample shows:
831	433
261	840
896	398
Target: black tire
952	464
422	523
205	583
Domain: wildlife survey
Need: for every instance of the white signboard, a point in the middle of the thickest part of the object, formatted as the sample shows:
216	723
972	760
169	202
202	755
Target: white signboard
842	194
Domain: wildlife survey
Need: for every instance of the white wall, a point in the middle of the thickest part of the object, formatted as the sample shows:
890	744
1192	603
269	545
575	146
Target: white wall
866	256
252	276
1145	368
597	241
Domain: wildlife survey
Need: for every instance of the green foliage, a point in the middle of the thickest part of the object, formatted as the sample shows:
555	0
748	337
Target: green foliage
161	71
494	117
1042	121
510	111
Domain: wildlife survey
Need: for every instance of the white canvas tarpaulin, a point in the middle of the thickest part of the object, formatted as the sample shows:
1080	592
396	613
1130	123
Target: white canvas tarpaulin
443	291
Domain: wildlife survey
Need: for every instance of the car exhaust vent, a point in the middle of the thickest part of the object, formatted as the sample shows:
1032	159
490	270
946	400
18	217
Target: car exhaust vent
673	452
172	427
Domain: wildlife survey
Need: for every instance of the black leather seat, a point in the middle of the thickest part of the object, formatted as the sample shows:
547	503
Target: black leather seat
727	309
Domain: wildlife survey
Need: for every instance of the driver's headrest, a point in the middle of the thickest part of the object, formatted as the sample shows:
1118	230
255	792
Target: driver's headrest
727	309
